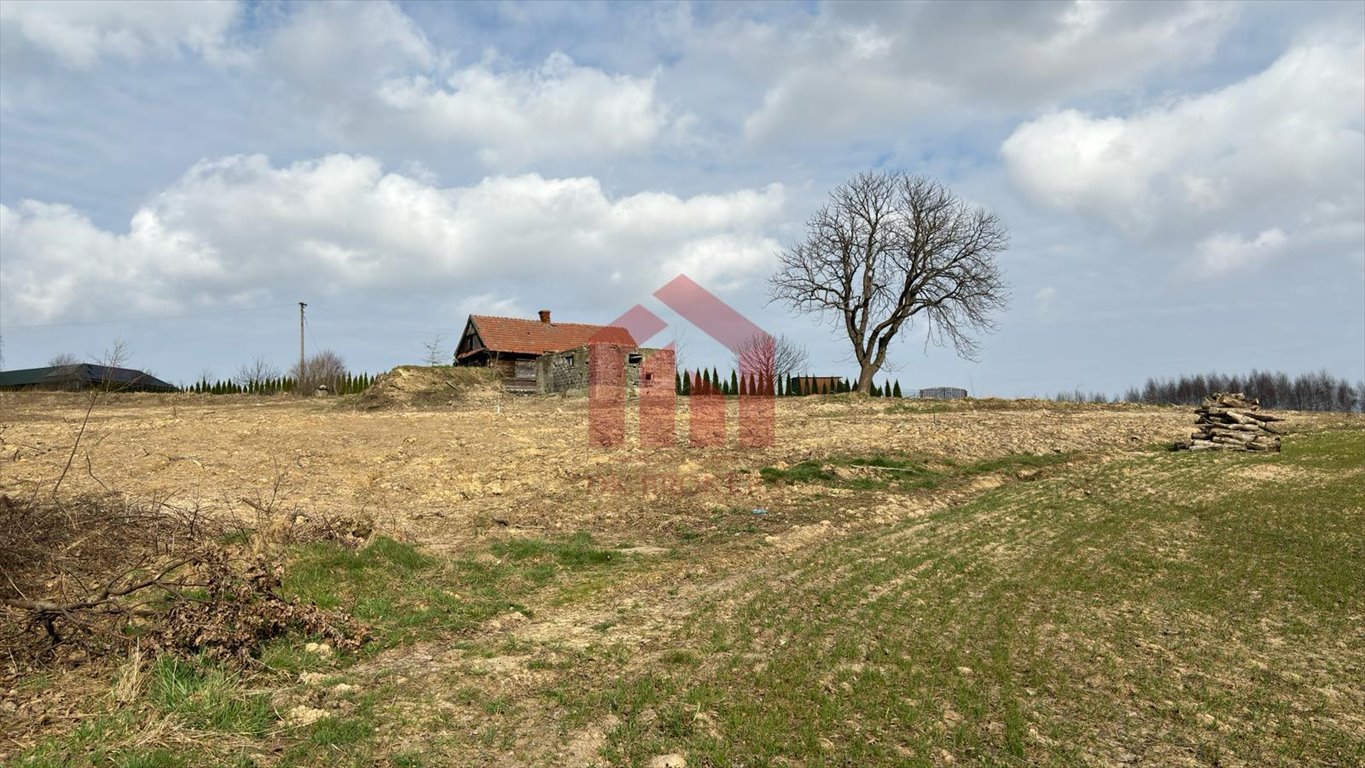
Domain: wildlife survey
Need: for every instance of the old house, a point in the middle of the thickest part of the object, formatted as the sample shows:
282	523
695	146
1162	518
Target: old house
569	371
513	345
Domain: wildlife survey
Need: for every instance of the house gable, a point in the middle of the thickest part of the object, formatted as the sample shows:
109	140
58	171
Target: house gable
469	340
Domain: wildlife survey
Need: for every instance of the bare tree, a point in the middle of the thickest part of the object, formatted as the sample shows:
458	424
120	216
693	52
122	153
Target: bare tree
116	356
681	342
325	367
890	247
69	375
435	350
255	374
776	356
63	360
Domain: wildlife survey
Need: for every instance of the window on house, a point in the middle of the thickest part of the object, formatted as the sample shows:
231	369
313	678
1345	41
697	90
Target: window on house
635	359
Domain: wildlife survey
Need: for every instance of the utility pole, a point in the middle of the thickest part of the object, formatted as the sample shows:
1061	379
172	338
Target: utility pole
299	383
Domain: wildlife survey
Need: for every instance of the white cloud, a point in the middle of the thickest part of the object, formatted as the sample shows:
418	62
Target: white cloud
372	73
77	33
339	52
558	109
1279	154
238	230
1222	254
864	69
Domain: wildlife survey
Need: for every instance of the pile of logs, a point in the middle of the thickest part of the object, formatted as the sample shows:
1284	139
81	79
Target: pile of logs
1233	422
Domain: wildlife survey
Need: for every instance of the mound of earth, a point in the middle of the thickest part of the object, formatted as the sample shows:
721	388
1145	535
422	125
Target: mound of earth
416	386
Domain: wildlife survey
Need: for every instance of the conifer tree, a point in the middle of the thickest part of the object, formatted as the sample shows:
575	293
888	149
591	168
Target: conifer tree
686	390
897	391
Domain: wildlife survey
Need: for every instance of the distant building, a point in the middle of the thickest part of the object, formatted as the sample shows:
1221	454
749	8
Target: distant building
83	376
512	346
943	393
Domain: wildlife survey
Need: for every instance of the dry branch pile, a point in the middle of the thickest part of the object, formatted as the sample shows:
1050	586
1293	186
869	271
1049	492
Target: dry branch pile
92	576
1233	422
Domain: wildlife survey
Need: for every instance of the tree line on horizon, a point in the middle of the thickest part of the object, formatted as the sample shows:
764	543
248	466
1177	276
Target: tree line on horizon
1320	391
347	384
710	381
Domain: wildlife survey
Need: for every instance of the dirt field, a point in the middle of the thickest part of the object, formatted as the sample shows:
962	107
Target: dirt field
626	663
442	476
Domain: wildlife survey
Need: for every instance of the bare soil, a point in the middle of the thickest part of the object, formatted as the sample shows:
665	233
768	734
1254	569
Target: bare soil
481	462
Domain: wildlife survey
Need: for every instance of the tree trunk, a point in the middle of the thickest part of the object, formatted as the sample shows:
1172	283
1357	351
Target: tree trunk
865	375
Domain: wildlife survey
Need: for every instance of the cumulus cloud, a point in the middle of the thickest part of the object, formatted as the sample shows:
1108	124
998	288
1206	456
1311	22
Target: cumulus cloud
372	73
856	67
237	230
1221	254
79	33
339	52
1240	170
560	108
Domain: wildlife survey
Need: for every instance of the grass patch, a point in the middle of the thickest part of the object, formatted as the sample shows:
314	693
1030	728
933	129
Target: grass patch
403	594
1166	608
902	473
206	696
406	595
578	551
340	731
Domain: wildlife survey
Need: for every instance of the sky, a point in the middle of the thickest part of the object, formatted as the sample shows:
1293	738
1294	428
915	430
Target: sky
1183	183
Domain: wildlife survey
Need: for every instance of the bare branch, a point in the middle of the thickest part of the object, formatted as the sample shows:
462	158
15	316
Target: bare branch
256	374
435	351
770	356
325	367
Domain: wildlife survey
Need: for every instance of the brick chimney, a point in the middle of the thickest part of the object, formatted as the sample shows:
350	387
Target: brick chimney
544	316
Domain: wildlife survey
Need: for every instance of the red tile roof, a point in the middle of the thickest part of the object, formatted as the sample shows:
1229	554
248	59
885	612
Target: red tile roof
518	336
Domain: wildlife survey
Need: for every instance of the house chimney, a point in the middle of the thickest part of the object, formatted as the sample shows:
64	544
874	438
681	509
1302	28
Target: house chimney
544	315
